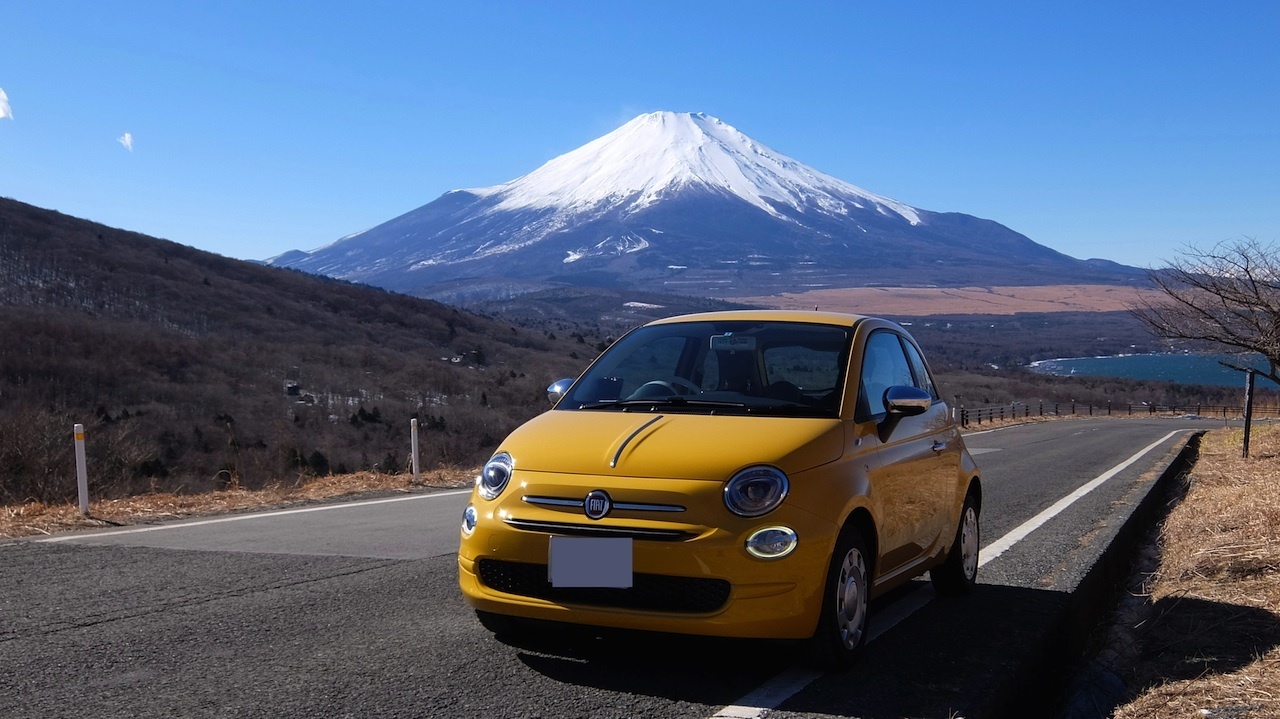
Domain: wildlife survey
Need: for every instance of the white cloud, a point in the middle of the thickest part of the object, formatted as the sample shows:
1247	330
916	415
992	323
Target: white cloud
5	111
126	140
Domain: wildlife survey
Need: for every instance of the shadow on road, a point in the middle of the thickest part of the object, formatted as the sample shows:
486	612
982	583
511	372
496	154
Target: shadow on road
945	657
1002	651
704	670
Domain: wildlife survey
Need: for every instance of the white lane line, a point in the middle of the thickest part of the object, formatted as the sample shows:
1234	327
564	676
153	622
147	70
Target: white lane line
244	517
1001	545
773	693
769	695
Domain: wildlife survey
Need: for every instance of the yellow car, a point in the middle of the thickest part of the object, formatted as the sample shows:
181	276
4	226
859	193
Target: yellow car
746	474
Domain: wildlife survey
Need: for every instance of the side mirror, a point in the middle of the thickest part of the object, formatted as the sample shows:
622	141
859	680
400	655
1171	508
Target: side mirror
558	388
902	401
907	401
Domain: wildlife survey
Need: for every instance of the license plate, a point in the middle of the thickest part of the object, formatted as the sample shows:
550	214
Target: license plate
590	562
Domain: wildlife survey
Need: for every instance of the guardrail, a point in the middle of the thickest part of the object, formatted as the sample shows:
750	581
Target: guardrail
975	416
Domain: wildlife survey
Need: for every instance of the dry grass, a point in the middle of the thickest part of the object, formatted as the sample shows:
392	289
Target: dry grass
925	301
36	518
1200	637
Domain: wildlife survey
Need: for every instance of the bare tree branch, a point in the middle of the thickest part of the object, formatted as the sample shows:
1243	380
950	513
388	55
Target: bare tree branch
1226	296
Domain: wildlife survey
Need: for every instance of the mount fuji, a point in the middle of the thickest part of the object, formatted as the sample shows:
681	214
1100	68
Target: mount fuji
684	203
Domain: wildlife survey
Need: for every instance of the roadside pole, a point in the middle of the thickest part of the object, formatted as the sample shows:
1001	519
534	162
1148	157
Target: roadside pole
1248	410
413	432
82	473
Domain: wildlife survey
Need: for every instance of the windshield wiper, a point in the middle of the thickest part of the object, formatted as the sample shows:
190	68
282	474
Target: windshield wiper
673	401
791	410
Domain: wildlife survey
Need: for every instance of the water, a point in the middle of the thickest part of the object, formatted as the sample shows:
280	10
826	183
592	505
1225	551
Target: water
1182	368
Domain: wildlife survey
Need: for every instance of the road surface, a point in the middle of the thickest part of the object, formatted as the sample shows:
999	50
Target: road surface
353	610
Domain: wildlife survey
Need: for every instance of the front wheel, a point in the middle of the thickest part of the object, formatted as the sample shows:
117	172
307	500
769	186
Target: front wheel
958	573
842	627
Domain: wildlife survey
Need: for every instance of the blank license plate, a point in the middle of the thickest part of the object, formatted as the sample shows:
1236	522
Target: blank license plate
590	562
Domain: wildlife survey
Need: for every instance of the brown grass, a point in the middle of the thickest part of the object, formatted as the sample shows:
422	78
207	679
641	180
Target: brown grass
37	518
925	301
1200	637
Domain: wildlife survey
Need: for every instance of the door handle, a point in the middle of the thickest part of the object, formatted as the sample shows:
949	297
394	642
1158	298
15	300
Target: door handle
939	446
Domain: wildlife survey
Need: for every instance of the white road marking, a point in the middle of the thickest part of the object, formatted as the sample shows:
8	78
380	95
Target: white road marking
245	517
773	693
769	695
1001	545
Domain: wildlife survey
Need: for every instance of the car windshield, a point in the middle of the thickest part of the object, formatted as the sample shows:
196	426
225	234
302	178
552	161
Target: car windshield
737	367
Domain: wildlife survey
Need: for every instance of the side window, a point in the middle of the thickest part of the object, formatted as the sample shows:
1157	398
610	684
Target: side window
883	366
923	380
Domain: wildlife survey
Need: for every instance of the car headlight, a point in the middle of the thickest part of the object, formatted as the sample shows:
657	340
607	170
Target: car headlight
495	475
469	519
755	491
772	542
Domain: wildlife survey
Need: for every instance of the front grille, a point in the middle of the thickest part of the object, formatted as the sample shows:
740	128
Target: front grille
598	530
652	592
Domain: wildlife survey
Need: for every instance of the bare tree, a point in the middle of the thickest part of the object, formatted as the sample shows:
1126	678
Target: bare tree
1226	296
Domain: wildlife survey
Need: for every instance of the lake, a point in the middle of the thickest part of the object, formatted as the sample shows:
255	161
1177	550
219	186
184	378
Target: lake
1182	368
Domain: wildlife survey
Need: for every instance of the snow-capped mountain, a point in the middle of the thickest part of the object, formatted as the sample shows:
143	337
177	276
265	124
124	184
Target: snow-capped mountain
683	203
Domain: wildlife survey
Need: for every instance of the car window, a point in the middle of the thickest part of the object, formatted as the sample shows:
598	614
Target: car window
883	366
655	359
923	380
761	367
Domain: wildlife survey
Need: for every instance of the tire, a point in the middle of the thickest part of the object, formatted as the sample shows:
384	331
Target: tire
842	626
958	573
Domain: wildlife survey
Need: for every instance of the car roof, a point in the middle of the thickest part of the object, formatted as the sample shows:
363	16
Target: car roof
824	318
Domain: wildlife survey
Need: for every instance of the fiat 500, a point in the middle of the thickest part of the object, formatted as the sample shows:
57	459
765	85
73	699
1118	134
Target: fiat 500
748	474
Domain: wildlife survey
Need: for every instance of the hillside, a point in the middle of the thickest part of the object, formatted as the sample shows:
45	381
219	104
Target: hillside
191	370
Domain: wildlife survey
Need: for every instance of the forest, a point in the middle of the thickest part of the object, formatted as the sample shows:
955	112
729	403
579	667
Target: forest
192	371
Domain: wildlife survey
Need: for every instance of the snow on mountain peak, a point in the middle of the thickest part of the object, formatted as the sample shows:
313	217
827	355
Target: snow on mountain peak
665	151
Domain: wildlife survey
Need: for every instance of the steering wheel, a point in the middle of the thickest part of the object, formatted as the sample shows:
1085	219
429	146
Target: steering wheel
672	385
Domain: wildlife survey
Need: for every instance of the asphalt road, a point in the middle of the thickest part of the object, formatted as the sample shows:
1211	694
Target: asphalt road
353	610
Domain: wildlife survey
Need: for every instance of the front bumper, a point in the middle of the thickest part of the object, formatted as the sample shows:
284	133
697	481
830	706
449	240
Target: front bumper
693	579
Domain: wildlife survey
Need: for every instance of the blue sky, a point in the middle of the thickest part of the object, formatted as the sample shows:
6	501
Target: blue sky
1101	129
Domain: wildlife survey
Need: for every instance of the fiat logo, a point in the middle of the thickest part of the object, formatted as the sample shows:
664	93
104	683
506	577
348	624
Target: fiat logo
597	504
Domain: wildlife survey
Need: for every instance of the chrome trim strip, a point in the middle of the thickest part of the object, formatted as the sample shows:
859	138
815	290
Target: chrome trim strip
577	503
529	525
627	441
643	507
552	501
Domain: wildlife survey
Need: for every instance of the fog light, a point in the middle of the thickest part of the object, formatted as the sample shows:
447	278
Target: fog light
469	519
771	542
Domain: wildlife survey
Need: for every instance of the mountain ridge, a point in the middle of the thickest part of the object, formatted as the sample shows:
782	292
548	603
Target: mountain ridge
683	202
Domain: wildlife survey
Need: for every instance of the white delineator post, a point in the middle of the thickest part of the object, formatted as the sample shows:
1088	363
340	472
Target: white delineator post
413	432
82	473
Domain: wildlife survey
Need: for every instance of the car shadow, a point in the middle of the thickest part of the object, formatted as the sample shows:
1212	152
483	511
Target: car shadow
704	670
1001	651
1187	637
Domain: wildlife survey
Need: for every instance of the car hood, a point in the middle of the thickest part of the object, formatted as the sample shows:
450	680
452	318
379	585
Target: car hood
683	446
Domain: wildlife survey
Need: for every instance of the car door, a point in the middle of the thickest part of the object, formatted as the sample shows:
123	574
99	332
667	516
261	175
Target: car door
909	483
